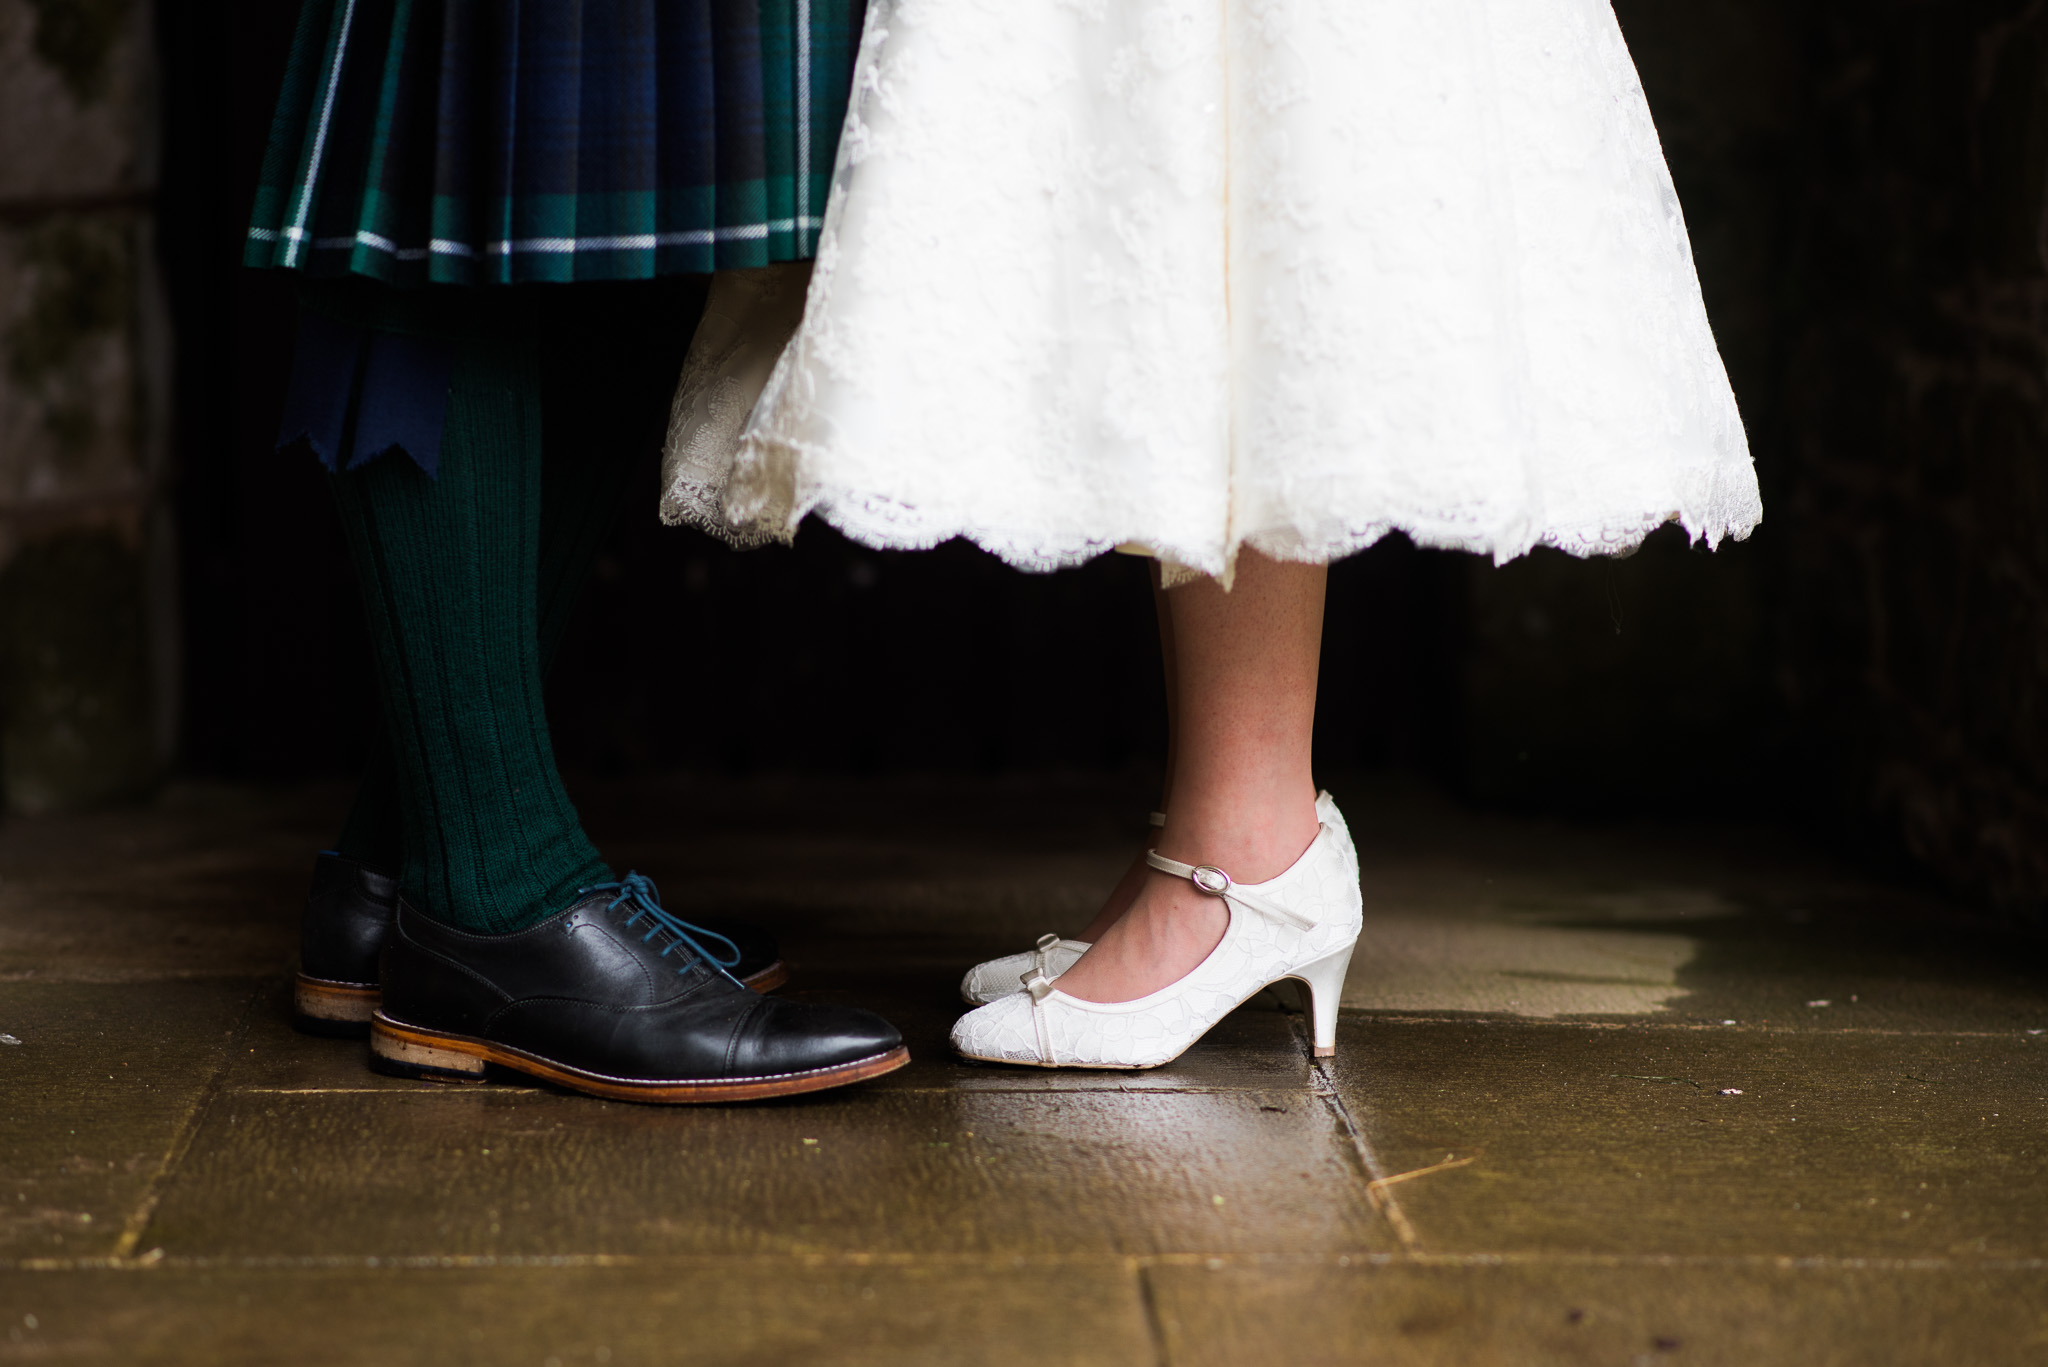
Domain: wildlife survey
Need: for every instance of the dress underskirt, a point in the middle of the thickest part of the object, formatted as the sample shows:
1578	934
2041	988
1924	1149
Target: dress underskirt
1197	274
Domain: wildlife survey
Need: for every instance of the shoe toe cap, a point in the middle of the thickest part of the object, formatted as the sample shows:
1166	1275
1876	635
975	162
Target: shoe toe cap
797	1037
997	978
999	1032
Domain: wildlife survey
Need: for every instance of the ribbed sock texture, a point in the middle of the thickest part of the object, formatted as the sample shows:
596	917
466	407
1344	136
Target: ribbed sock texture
610	355
450	572
582	491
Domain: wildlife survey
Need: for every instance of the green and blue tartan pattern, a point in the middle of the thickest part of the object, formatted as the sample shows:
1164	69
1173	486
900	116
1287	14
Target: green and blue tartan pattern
504	141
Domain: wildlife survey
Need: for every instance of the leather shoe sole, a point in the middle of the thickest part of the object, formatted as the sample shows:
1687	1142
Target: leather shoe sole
343	1010
403	1050
339	1010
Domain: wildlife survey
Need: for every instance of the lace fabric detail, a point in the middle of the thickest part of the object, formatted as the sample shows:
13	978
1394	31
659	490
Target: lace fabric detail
1201	274
749	317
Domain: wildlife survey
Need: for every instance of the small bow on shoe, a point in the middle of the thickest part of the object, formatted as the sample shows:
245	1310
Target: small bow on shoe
1039	985
1037	981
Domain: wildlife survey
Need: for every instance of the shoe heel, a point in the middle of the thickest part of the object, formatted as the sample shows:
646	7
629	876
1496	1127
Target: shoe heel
404	1053
1325	982
336	1010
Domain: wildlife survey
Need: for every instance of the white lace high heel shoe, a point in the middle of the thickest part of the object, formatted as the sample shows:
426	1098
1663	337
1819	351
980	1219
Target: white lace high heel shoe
998	978
1301	925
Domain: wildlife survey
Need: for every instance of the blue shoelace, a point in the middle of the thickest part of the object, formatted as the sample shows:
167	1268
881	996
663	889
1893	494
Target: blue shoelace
637	891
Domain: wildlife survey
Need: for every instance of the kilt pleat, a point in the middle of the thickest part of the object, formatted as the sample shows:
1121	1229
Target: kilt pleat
503	141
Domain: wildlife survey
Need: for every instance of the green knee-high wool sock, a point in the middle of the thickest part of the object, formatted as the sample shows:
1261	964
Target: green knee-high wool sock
580	501
610	357
450	573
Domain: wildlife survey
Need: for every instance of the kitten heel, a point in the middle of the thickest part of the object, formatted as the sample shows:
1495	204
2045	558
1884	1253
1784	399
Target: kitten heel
1324	980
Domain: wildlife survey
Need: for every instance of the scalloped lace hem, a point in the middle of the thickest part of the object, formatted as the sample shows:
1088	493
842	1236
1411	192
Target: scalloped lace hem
883	523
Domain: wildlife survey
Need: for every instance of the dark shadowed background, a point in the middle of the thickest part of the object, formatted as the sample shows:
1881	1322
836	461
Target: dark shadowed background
1864	182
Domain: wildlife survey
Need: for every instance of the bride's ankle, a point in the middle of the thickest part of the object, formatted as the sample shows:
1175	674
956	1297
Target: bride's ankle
1251	846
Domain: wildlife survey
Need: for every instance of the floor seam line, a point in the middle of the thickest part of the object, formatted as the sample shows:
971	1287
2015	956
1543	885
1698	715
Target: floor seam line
188	1130
1379	1196
997	1262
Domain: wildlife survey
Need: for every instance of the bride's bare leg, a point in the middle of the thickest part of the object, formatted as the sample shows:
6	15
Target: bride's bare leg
1242	796
1126	890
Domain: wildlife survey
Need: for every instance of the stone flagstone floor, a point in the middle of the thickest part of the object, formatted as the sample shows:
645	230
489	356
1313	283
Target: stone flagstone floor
1629	1095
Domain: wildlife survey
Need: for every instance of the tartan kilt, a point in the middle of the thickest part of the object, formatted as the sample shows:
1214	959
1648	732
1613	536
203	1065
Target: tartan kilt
484	142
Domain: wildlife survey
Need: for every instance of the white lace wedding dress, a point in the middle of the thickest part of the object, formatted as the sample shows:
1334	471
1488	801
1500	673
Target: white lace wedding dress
1188	275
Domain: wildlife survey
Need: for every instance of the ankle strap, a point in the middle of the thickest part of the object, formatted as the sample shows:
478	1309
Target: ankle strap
1157	818
1215	882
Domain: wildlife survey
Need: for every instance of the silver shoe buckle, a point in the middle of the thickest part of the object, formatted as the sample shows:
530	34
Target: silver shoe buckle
1210	879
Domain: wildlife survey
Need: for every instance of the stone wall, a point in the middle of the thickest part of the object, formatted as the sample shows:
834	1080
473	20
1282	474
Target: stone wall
87	599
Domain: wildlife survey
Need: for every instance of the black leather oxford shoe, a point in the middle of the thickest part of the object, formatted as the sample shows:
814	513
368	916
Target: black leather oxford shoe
348	914
615	997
